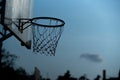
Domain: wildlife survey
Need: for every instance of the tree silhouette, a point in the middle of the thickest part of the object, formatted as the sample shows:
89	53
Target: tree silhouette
7	68
97	78
84	77
66	76
7	59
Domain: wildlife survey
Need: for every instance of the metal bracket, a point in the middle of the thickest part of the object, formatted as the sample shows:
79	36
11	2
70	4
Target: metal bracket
4	34
21	22
4	37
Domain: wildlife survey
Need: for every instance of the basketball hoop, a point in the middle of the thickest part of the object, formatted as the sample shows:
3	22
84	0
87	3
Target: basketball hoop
46	34
16	19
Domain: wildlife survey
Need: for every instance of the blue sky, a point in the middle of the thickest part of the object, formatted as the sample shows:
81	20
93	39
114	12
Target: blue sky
89	43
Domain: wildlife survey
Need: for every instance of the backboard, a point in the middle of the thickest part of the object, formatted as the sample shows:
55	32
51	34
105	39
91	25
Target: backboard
15	10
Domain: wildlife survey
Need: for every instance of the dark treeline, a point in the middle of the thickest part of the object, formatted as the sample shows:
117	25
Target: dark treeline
8	72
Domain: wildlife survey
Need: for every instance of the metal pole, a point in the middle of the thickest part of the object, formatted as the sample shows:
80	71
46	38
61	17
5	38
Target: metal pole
2	14
0	55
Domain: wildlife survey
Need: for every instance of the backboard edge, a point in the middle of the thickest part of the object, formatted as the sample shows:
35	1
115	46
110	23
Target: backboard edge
26	44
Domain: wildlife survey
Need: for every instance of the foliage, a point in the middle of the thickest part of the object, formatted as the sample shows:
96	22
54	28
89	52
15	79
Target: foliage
66	76
7	68
7	59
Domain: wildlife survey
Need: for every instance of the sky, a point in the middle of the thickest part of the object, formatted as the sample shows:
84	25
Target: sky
89	43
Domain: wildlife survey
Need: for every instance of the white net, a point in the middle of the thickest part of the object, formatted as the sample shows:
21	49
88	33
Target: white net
46	37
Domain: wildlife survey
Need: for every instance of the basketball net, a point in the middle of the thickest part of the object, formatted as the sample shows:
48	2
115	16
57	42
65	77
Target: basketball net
46	37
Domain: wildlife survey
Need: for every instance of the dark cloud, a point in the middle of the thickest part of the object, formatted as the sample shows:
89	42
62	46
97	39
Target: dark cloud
91	57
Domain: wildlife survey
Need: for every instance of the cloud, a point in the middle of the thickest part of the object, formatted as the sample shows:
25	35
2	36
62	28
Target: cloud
91	57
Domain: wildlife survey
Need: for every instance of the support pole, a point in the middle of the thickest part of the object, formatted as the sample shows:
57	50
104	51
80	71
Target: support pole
0	55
